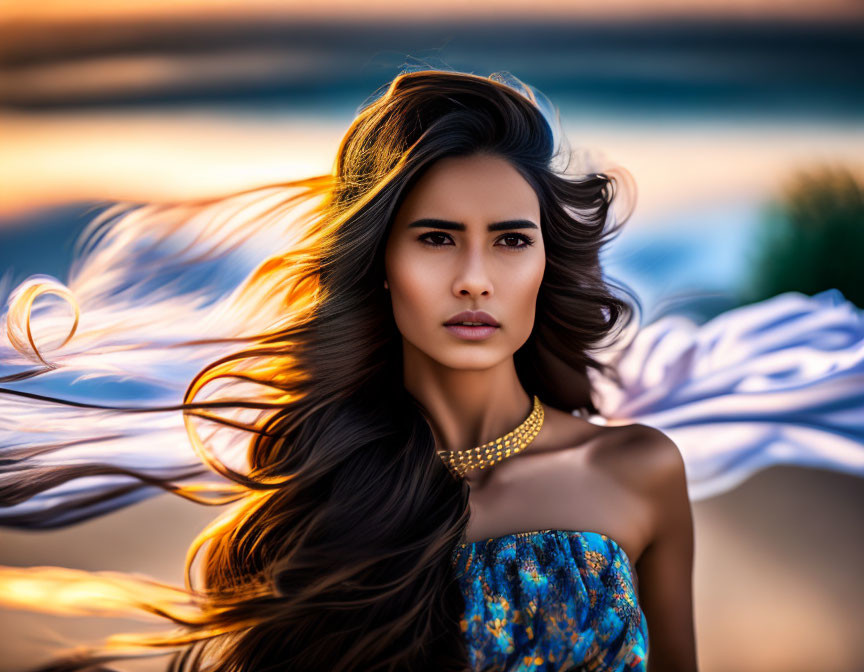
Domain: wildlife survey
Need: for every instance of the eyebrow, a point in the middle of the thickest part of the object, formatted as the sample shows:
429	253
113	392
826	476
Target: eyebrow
458	226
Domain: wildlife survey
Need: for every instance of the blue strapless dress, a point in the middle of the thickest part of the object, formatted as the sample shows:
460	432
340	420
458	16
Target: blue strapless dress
551	600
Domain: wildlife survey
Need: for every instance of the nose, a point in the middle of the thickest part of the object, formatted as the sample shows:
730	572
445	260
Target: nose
473	277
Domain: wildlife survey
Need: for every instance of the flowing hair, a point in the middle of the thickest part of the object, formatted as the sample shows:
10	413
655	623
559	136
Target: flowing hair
335	553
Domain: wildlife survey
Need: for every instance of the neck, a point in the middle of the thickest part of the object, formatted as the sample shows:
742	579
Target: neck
466	407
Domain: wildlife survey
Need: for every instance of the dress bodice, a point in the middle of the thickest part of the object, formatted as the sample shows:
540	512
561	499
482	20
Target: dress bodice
550	600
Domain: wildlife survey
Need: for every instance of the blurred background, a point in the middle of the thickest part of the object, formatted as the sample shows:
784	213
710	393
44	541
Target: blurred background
741	123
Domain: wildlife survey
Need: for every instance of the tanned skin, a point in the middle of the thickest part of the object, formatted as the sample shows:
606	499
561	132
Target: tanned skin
627	482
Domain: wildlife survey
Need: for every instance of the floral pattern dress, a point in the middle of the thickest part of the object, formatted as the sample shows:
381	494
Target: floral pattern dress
551	600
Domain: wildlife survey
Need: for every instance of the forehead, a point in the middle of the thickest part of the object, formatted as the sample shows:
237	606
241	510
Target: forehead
474	187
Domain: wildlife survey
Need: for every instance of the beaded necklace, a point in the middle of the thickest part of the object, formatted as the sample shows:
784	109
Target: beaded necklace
513	442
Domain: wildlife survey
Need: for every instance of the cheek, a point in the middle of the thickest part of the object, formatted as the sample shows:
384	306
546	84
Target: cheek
524	313
524	283
521	306
413	290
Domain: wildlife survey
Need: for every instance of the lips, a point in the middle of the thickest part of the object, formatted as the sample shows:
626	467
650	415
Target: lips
473	316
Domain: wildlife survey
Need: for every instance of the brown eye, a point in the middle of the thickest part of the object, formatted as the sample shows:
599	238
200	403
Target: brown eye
427	237
528	242
423	237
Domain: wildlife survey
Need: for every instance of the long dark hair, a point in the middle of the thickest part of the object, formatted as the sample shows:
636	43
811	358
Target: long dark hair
337	554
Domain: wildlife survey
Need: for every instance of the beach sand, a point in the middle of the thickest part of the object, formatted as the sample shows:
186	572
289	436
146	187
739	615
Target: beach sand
776	580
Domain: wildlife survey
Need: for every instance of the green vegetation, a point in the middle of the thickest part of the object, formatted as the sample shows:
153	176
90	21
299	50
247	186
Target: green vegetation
812	238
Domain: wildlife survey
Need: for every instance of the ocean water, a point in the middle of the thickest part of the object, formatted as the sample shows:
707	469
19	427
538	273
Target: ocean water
635	69
647	84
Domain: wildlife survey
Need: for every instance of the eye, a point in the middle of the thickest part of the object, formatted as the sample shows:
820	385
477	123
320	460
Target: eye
423	237
527	241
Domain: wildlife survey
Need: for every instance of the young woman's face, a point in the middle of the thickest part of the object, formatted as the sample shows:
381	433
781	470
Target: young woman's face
437	269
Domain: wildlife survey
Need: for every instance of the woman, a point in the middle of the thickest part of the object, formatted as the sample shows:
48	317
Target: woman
469	236
417	493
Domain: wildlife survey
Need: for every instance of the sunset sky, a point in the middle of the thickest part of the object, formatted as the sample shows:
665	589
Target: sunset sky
450	9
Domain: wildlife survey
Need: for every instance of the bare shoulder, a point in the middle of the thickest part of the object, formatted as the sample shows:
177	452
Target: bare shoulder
641	456
649	463
653	464
582	476
645	482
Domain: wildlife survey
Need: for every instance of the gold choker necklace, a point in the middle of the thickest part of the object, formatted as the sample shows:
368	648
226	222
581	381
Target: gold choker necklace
460	461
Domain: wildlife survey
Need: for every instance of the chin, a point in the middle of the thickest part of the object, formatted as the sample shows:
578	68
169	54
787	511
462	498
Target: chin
477	358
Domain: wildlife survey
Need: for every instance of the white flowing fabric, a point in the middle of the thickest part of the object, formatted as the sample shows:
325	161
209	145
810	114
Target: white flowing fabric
779	381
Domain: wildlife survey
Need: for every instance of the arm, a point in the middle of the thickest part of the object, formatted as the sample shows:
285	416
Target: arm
665	568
